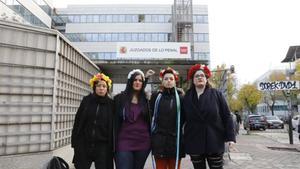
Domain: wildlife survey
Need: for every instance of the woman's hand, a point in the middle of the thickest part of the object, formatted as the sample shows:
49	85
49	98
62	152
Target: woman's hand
149	73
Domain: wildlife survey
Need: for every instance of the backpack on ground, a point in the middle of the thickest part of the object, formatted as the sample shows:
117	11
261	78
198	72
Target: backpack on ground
57	163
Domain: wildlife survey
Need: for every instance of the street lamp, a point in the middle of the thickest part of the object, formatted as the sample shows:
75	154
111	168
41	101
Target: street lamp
292	55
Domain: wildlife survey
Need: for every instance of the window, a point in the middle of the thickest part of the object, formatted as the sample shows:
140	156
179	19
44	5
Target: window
161	18
147	37
108	37
128	18
114	37
134	37
101	37
115	18
141	37
109	18
102	18
95	18
82	18
128	37
95	37
89	18
122	18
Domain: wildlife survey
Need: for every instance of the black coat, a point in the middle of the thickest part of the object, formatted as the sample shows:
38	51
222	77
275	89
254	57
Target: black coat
92	127
163	138
208	122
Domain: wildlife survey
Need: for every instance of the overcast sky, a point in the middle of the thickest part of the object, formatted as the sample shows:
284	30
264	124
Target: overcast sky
253	35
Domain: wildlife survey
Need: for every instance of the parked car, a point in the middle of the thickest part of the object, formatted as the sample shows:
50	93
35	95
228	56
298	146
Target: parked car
274	122
255	122
295	122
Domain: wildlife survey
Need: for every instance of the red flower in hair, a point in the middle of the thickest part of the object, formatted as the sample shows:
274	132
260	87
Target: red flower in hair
197	67
169	70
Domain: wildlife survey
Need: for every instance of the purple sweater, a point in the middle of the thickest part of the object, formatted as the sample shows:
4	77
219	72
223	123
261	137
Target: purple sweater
134	133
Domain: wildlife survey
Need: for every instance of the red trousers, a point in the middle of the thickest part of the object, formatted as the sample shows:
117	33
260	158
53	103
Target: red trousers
166	163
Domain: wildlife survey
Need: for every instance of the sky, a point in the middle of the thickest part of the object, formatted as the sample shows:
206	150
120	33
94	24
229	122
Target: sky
252	35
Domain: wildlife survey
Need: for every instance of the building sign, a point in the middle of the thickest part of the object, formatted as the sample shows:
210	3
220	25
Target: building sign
279	85
150	50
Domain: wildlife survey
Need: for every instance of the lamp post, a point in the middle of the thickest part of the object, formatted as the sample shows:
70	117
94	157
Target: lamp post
291	56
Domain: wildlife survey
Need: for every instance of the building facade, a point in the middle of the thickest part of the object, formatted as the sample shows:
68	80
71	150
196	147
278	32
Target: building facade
97	29
31	12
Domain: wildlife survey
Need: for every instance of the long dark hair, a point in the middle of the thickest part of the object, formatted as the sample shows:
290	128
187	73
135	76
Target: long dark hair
129	90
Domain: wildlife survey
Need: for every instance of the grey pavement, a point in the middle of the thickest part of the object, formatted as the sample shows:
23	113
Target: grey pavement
254	152
268	149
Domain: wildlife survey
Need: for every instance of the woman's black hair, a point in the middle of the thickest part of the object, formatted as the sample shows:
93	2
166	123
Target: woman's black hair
129	89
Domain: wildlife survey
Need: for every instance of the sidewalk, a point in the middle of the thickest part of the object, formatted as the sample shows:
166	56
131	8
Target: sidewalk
265	150
254	152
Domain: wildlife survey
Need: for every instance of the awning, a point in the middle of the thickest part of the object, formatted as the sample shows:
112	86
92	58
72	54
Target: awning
292	54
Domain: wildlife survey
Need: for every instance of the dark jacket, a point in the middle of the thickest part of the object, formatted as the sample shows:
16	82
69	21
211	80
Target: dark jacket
208	122
93	125
163	138
119	104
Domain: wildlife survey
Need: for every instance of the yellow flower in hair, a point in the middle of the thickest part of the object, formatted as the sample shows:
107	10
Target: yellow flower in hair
98	77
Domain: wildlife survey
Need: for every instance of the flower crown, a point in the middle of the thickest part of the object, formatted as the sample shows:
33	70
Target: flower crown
136	71
98	77
197	67
174	72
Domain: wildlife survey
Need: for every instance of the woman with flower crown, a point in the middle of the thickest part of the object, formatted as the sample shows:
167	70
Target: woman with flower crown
92	138
132	123
167	122
208	121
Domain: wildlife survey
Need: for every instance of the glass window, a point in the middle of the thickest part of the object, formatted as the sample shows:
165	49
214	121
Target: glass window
95	18
121	37
102	18
101	55
167	18
114	37
88	37
114	55
141	37
135	18
161	18
162	37
154	18
76	19
101	37
115	18
154	37
128	18
108	18
83	19
108	37
134	37
95	37
106	55
128	37
206	38
148	18
89	18
70	19
122	18
205	19
147	37
195	37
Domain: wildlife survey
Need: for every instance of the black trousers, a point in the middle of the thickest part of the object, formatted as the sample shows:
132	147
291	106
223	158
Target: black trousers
215	161
97	153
